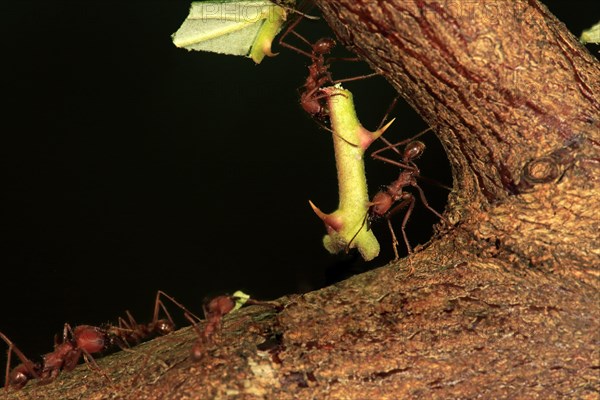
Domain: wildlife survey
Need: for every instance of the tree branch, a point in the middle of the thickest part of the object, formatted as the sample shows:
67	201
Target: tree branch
513	97
503	305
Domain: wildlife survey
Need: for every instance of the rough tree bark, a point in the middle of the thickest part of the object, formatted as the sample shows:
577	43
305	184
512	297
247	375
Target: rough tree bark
505	304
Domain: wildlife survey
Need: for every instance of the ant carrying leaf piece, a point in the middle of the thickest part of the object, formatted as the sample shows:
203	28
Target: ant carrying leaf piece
240	28
343	223
214	311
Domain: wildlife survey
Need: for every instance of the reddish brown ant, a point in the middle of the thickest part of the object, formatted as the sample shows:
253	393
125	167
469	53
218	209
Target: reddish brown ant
393	198
214	311
311	98
318	75
129	332
83	340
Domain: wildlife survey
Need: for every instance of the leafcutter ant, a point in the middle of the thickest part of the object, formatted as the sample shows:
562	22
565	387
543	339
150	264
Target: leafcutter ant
129	332
214	311
393	198
83	340
312	100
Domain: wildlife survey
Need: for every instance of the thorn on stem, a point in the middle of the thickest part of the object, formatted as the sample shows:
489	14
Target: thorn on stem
332	222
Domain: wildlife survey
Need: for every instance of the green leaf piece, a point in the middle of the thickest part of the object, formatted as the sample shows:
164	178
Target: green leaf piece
591	35
240	299
240	28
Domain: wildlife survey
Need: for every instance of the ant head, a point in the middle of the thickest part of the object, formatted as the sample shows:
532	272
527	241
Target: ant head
324	45
220	305
18	379
413	150
21	374
164	326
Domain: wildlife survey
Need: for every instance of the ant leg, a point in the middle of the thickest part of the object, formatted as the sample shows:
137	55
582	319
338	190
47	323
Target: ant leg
291	30
199	346
311	94
8	359
350	59
122	324
158	305
407	200
410	198
322	125
364	221
178	304
394	239
192	319
92	364
426	204
356	78
131	323
411	269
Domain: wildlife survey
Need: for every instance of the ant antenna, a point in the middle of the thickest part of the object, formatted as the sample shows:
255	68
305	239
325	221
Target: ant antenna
294	10
364	221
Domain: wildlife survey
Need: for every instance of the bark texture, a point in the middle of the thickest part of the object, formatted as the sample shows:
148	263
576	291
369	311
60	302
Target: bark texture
514	99
505	304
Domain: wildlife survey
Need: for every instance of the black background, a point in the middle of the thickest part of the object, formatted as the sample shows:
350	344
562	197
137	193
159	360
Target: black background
130	165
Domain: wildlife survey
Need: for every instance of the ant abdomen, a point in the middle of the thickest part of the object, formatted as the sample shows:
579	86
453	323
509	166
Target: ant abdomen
90	338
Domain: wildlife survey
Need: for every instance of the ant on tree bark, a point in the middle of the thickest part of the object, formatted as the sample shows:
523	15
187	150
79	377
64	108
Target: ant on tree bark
393	198
214	310
83	340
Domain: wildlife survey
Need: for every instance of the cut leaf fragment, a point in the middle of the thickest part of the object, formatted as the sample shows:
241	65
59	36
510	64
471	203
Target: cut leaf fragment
591	35
240	299
240	28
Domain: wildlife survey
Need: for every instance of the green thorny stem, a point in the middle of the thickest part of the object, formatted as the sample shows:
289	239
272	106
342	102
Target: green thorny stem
350	140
